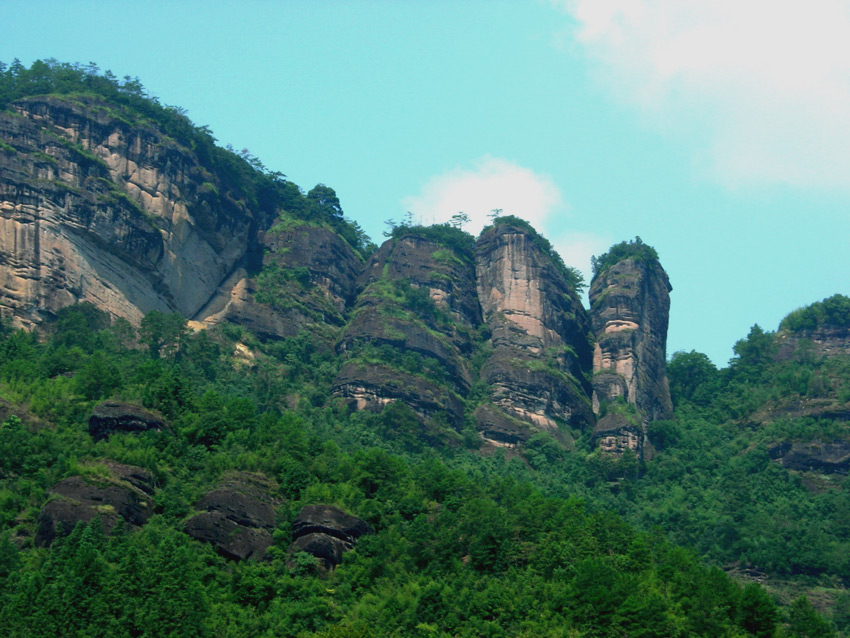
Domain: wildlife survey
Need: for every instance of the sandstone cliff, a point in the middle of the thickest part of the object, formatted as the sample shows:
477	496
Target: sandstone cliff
629	310
99	205
411	330
307	282
538	371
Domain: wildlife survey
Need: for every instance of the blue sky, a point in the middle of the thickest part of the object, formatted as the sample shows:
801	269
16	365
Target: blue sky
717	131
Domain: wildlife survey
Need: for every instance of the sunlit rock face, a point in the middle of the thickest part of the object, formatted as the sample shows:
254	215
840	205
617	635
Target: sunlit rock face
541	356
94	208
629	310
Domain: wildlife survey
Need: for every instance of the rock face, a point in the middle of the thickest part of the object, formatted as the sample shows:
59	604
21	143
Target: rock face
123	495
327	533
308	283
814	456
541	356
629	310
410	332
94	208
237	517
823	341
114	416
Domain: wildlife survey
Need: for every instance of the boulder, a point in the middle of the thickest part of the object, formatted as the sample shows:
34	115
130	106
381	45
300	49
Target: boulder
327	533
123	495
114	416
814	456
237	517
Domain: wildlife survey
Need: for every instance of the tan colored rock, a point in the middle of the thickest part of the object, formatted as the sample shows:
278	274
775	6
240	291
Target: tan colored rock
629	309
92	209
541	355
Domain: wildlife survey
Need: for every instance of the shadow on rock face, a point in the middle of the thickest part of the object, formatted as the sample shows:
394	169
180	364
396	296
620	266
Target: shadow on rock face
123	495
237	517
325	532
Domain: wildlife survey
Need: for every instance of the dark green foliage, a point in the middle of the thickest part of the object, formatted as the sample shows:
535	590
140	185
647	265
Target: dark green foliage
632	249
692	377
462	547
758	612
461	243
832	311
805	622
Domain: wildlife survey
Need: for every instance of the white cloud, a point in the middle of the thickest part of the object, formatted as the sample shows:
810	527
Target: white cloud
576	249
493	183
490	183
761	86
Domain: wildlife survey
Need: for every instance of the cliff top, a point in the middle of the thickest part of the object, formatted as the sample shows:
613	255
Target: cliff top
633	249
833	311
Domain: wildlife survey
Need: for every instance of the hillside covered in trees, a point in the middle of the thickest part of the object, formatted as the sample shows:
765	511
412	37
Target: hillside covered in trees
226	412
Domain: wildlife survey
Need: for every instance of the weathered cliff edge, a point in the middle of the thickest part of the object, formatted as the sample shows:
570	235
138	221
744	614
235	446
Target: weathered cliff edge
410	333
629	310
96	208
438	314
97	204
538	372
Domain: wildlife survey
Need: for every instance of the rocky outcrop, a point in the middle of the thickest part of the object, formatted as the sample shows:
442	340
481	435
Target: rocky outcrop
124	494
629	310
307	283
237	517
98	206
615	433
813	456
541	357
114	416
822	341
325	532
410	333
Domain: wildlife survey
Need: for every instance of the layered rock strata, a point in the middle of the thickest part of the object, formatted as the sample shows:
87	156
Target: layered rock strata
115	416
538	371
325	532
125	494
410	332
814	456
307	283
629	310
95	208
237	517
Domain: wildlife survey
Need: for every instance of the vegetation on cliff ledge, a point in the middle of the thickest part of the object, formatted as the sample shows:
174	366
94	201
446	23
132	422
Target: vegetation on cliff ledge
633	249
243	176
833	311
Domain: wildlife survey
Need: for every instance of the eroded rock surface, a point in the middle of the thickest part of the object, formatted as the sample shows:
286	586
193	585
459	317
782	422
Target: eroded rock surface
814	456
822	341
615	434
541	357
123	495
415	297
115	416
629	310
326	532
237	517
308	284
96	208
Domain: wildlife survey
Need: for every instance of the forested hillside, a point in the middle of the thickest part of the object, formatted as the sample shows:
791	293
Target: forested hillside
433	437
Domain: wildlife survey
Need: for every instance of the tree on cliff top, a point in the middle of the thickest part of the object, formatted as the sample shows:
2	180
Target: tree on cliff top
832	311
632	249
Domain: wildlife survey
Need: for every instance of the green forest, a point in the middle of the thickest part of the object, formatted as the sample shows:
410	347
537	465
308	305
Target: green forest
707	536
565	544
